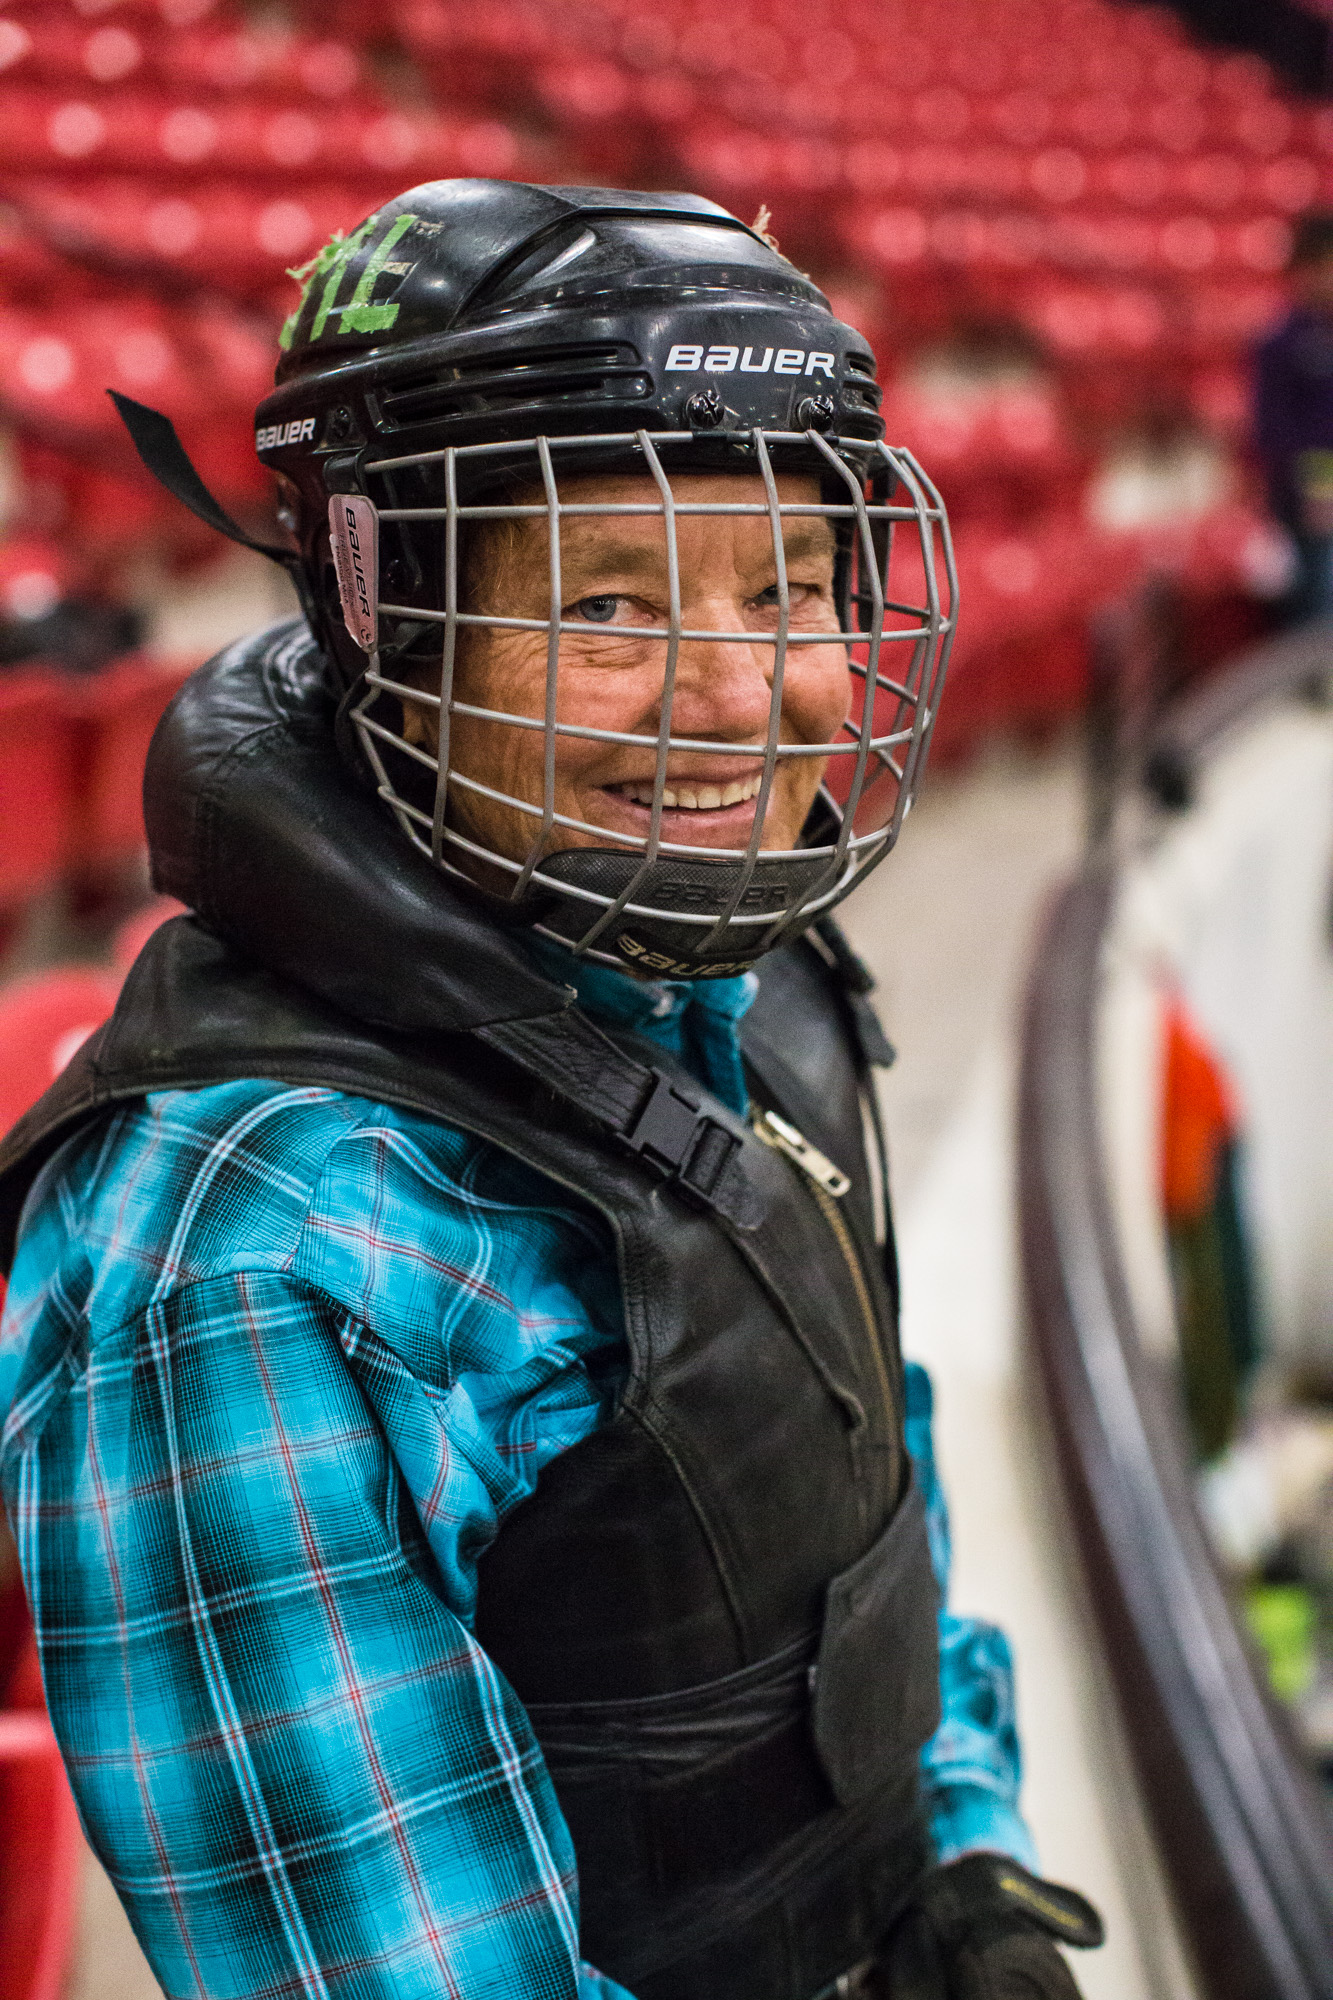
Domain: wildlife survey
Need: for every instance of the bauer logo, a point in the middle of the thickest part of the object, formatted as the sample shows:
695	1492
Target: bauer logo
299	431
693	358
354	537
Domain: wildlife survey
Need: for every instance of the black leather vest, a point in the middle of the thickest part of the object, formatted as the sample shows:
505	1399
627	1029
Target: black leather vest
718	1609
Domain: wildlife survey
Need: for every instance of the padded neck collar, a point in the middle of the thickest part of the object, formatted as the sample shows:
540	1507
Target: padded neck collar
255	823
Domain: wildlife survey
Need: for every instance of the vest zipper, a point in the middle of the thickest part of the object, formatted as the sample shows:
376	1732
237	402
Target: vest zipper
785	1138
828	1184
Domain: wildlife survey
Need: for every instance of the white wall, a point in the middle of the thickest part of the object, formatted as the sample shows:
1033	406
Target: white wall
1015	1561
1232	904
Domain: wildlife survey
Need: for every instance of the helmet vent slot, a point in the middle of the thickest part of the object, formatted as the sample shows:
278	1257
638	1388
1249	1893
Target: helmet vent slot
581	374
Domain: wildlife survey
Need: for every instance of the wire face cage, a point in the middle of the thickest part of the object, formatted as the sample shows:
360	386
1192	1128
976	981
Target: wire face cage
496	811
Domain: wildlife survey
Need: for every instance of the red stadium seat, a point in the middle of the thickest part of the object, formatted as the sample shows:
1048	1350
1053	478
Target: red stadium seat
281	66
1020	659
43	1020
1139	178
39	1829
35	573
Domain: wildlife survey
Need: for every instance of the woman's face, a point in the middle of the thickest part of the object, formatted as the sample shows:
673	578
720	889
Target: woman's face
614	576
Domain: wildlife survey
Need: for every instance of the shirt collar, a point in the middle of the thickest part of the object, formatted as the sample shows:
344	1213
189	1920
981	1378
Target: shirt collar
618	997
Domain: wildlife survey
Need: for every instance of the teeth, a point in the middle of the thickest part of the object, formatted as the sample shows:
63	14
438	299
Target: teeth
697	798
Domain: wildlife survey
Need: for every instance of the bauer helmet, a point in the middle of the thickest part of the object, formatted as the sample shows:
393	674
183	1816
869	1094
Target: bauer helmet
476	345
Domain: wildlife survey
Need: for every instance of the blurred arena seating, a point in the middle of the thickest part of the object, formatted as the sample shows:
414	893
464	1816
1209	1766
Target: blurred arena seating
1060	222
44	1019
1069	185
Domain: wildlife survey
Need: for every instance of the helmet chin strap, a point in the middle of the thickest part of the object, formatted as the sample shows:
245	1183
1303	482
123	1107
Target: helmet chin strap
154	438
672	943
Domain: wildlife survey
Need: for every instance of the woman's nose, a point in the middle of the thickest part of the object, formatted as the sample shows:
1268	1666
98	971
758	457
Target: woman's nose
724	685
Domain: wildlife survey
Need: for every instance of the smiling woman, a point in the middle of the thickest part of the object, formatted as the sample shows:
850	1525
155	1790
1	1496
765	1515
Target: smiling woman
582	1526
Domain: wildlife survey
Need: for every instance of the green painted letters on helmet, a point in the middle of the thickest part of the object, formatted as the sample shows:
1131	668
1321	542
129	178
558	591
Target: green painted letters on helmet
358	315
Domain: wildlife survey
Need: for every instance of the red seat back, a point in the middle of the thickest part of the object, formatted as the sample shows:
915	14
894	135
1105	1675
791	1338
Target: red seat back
36	781
39	1829
43	1020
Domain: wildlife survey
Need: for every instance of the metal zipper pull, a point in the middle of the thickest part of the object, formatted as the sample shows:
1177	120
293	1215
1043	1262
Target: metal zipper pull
785	1138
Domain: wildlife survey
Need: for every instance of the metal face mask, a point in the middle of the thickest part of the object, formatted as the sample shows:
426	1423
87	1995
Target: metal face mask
639	894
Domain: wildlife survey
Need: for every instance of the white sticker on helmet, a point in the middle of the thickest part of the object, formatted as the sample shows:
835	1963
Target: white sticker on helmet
690	357
354	531
299	431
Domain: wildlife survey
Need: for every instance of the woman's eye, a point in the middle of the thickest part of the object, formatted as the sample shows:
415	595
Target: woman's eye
596	610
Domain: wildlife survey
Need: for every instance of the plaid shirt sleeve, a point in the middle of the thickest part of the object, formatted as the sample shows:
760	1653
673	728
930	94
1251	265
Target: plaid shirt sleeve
280	1362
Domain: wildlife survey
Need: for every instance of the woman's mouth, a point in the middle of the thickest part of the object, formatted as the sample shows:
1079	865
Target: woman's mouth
694	797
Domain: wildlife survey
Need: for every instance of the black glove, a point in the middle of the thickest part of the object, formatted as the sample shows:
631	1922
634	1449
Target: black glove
982	1929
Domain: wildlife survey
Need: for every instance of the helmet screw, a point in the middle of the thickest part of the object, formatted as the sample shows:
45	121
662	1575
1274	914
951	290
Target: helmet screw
814	413
340	426
703	410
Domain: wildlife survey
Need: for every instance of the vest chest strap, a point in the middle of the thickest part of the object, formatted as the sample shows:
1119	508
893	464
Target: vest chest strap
658	1118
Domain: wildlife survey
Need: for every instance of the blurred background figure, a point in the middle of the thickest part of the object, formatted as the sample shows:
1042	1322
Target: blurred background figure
1293	415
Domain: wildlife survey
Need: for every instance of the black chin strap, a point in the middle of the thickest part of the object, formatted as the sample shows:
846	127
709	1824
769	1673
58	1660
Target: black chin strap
165	456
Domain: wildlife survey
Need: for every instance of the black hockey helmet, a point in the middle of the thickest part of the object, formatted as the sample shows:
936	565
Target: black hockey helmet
474	313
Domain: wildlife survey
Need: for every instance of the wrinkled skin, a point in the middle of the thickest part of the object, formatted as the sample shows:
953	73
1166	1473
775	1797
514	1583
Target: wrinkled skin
614	575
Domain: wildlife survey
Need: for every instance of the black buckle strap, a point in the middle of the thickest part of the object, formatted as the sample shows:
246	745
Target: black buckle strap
671	1132
653	1117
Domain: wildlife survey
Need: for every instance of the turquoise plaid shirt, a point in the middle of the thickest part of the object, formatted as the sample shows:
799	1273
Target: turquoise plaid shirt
277	1362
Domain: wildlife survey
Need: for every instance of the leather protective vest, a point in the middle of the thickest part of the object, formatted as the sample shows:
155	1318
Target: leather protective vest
719	1609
